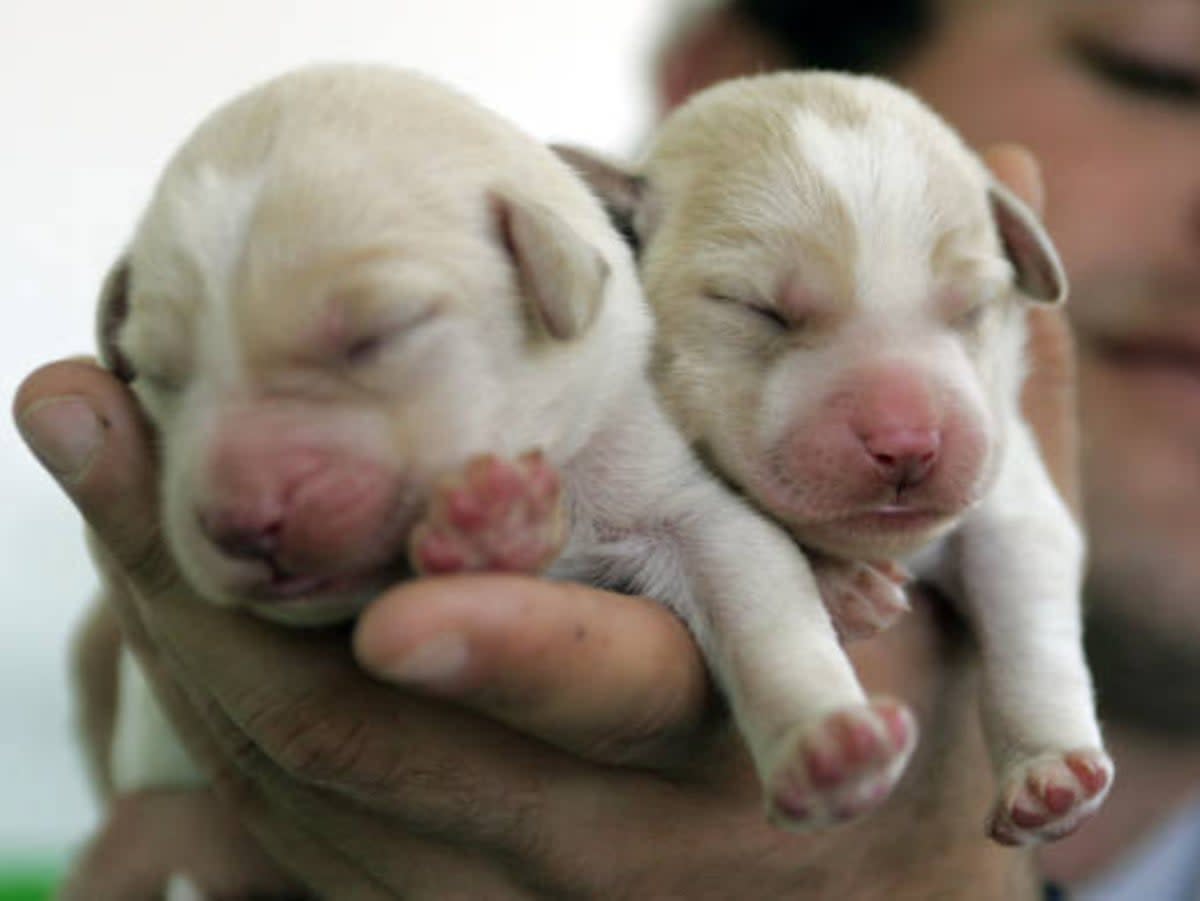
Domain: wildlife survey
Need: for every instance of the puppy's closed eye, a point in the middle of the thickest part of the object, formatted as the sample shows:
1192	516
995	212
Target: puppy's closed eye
763	313
365	349
964	309
772	317
368	345
969	316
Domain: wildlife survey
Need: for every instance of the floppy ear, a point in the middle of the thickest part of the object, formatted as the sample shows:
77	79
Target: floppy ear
1039	271
112	311
561	275
626	196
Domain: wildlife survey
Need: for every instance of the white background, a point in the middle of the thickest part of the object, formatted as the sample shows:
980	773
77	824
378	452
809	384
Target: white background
94	97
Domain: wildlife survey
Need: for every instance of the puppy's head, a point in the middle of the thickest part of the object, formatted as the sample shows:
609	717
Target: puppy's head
349	282
839	287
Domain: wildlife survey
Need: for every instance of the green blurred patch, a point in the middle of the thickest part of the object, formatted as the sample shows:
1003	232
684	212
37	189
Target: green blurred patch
27	883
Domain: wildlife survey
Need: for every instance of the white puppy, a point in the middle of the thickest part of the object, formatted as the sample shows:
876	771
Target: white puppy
352	284
839	286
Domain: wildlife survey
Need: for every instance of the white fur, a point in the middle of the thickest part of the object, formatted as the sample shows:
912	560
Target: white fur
884	197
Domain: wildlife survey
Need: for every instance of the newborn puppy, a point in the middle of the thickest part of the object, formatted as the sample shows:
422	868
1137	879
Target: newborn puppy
840	289
374	323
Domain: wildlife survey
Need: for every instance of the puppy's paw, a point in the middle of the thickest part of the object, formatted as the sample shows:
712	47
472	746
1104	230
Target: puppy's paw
862	598
1049	796
495	516
842	767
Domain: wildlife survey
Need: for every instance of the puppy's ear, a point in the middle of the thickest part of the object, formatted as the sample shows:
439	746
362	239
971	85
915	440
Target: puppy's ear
626	196
1040	275
561	275
112	311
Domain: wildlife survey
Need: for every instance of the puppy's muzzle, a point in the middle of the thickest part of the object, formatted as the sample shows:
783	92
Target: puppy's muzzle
242	538
902	456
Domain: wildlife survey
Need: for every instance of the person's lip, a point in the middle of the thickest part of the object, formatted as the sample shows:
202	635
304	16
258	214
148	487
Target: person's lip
1164	360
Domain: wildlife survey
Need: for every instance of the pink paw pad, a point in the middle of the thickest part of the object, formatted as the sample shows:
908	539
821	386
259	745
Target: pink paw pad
495	515
843	767
863	598
1049	796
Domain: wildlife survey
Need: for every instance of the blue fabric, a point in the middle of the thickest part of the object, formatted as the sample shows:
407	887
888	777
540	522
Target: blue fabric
1164	867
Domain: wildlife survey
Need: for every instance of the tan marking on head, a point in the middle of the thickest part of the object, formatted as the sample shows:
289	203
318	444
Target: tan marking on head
743	206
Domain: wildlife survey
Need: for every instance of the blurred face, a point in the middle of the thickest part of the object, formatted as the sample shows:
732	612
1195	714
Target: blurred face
1107	94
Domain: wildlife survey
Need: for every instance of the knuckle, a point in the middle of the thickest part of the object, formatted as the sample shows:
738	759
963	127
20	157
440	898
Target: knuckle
311	741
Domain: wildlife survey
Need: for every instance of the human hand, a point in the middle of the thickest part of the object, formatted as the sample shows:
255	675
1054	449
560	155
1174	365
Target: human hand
582	753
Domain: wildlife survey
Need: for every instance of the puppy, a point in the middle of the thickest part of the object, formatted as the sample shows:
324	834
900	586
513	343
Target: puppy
379	330
840	289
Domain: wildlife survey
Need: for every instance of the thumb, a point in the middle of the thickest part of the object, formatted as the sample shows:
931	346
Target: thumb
85	427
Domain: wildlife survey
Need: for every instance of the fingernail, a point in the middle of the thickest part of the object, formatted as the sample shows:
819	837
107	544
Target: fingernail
433	664
63	433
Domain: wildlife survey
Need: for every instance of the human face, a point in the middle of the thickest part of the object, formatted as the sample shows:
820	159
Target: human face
1107	94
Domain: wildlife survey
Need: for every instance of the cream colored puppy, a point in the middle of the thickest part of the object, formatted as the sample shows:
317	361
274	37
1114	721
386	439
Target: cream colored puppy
374	323
841	289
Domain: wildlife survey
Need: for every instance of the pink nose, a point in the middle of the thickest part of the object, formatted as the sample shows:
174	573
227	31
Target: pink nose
903	456
241	536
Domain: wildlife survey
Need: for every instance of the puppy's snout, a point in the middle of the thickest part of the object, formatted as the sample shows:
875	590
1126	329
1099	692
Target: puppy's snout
898	424
903	456
242	536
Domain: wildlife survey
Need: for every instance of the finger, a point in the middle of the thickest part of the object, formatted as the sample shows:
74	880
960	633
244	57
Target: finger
1049	402
611	677
1018	168
84	425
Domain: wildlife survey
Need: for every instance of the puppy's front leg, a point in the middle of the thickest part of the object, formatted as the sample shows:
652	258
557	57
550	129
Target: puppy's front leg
823	751
1021	564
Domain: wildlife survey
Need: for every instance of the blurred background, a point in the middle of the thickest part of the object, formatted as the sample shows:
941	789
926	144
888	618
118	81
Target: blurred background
96	96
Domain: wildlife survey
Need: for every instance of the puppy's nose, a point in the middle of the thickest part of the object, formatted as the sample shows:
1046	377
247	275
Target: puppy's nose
242	537
903	456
